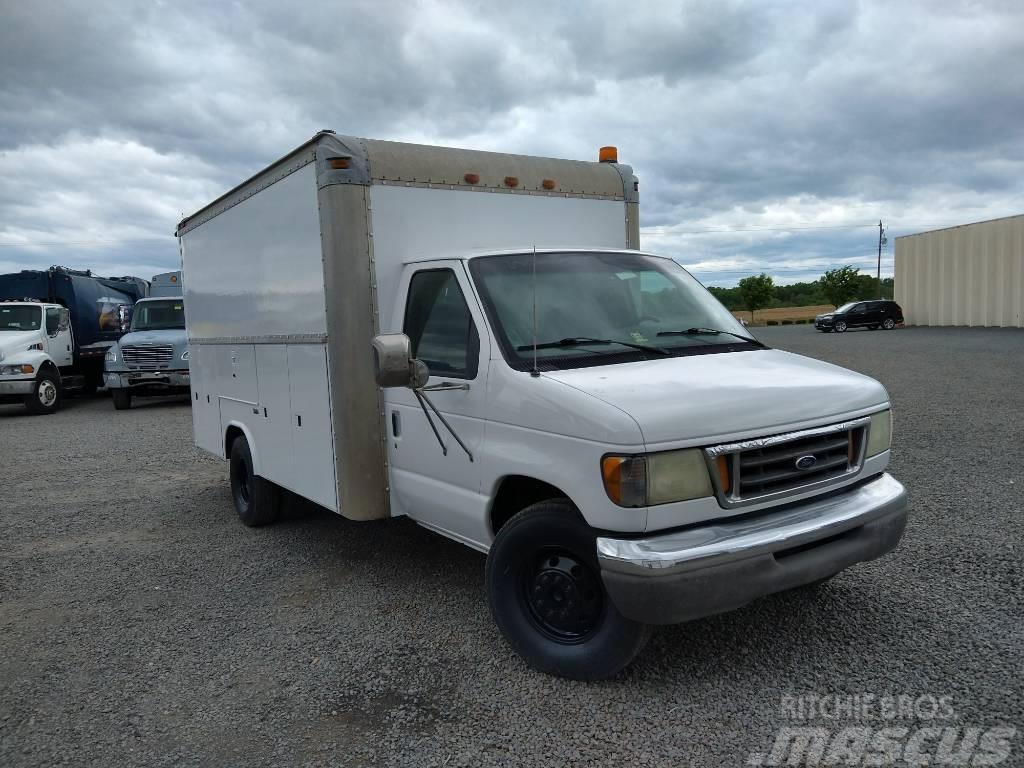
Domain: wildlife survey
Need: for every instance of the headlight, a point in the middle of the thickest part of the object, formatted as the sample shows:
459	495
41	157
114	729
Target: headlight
184	355
657	478
879	433
16	370
111	356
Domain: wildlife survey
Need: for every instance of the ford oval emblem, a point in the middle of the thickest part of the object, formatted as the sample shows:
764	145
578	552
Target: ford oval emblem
806	462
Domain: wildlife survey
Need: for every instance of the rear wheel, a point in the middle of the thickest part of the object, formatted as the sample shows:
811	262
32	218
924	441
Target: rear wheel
122	399
545	593
839	327
46	394
257	500
888	323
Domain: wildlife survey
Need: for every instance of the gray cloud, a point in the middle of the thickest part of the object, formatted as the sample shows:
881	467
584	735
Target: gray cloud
117	117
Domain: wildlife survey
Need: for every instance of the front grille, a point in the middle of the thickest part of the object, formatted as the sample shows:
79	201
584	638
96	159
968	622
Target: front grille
148	356
784	464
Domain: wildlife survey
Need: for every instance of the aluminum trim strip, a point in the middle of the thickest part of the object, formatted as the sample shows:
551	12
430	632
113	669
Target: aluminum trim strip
298	338
724	542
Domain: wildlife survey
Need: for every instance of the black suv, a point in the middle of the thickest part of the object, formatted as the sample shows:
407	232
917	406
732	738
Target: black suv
861	314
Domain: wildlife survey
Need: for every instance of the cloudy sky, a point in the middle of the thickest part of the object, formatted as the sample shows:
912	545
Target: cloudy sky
768	136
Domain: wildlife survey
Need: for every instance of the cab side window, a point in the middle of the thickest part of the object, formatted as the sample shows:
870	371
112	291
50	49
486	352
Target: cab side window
439	325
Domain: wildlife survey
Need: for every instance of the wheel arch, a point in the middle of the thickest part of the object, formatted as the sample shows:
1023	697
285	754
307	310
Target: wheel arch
232	432
514	493
48	366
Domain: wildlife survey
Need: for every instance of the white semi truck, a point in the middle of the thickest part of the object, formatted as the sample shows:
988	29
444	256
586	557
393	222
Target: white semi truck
473	340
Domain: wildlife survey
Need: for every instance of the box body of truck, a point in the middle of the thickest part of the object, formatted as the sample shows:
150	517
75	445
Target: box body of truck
290	275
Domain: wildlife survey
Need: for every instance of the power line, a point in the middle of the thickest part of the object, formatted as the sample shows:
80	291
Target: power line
125	241
798	226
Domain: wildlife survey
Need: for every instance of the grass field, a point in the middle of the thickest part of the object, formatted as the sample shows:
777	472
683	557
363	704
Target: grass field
779	314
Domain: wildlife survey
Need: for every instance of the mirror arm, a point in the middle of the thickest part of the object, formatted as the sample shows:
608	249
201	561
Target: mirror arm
422	397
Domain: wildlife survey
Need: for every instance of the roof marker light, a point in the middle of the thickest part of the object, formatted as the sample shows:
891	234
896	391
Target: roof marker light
511	181
341	163
548	183
472	178
608	154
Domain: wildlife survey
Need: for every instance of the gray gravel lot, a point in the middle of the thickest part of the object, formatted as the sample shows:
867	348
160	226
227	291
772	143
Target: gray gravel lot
141	624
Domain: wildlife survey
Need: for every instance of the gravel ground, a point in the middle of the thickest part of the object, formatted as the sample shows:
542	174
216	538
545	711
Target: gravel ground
141	624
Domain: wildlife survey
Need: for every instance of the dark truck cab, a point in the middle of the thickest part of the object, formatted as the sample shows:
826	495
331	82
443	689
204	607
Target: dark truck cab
873	315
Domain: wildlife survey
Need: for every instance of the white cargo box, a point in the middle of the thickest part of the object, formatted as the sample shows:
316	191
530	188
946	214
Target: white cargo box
288	277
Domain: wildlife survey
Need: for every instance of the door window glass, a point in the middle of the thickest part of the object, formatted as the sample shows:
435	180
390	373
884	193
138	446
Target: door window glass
52	320
439	325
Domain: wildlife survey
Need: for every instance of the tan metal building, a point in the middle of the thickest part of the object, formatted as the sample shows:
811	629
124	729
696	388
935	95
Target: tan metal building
972	274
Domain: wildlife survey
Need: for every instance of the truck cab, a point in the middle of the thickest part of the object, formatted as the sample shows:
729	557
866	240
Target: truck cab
36	351
152	358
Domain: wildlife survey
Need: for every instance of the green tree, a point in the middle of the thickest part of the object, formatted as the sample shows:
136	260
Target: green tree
756	291
840	285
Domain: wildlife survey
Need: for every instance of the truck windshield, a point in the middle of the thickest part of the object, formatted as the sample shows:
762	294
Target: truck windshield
597	307
158	315
18	317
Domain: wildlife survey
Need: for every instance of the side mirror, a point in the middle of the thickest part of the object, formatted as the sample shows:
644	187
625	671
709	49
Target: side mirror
393	363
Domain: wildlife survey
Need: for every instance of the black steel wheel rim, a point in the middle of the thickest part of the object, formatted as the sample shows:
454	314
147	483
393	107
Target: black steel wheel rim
244	482
563	596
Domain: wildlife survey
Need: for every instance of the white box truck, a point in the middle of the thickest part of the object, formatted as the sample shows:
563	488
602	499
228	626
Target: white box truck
473	340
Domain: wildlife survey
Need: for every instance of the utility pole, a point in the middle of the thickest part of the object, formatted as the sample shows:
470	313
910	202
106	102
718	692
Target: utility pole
878	276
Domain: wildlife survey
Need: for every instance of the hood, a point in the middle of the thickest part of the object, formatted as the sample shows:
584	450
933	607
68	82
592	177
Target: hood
702	399
13	342
175	336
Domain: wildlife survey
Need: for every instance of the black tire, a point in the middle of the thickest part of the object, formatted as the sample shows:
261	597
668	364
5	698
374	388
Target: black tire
46	394
257	500
888	324
839	327
543	559
122	399
812	586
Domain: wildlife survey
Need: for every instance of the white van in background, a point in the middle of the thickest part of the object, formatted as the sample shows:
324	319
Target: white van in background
473	340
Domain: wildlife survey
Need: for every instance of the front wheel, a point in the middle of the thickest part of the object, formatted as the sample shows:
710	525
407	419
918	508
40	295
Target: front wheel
888	323
122	399
46	395
545	593
839	327
257	500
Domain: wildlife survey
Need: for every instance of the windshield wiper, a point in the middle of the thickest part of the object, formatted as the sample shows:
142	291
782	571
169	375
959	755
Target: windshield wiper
578	341
708	332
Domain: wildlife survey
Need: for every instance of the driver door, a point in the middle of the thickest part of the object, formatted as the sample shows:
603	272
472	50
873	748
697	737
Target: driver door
59	344
439	313
857	315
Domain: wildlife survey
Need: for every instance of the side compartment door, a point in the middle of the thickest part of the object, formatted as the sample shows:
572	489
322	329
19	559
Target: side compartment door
272	425
205	403
312	432
441	489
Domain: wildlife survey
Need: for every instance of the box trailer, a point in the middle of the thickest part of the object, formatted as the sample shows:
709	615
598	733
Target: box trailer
474	340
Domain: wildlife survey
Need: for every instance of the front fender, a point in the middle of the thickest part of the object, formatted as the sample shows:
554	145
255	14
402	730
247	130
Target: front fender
31	357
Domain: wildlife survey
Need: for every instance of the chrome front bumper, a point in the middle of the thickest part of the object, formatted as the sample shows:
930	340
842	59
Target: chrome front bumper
721	566
17	387
139	379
